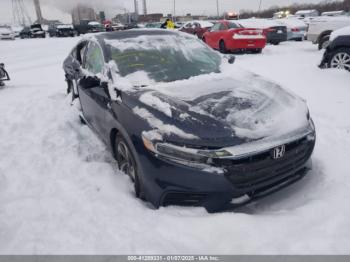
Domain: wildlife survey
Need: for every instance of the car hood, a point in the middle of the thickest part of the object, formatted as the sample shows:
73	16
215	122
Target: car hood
219	110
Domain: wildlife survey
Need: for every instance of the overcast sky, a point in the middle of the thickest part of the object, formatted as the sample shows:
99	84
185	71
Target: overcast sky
57	8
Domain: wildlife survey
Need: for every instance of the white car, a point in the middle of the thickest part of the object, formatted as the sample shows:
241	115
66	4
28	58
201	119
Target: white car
7	33
296	28
321	28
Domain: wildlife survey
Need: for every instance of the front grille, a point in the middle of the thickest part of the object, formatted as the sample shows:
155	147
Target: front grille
183	199
258	169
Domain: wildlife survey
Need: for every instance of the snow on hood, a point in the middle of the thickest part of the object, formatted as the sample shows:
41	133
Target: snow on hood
252	107
340	32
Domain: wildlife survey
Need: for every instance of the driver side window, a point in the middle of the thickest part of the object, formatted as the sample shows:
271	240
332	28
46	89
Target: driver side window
215	27
94	59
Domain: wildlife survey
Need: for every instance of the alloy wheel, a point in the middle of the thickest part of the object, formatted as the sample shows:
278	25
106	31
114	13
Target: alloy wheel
341	61
125	161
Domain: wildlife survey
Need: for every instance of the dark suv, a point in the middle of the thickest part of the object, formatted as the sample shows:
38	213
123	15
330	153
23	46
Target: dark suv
337	54
186	132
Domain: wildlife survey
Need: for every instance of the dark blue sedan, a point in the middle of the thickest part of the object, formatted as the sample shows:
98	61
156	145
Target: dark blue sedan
188	127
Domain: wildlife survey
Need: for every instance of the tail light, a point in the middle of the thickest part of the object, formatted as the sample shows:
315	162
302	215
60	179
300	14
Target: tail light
295	30
271	30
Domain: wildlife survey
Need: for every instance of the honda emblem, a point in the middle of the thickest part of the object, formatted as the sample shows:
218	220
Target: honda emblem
279	152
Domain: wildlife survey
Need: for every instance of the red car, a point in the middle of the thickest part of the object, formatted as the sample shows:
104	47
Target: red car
197	28
231	36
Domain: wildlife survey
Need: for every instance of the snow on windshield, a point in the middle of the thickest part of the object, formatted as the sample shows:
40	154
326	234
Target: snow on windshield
164	58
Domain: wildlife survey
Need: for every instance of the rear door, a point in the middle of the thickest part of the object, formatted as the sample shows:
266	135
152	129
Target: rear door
94	100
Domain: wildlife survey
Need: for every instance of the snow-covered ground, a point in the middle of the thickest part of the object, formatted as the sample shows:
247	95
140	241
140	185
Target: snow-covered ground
60	193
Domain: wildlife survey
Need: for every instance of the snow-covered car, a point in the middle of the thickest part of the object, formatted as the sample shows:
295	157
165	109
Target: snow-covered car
274	31
296	28
197	28
188	127
6	32
337	54
36	31
320	29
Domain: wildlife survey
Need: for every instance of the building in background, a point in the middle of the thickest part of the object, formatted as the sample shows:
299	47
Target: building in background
150	18
83	12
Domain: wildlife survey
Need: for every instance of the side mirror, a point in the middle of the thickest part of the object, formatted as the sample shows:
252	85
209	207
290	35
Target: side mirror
231	59
90	82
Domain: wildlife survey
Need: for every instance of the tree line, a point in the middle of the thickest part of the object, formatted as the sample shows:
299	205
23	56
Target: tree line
324	6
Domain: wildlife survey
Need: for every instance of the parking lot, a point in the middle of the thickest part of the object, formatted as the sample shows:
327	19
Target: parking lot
60	193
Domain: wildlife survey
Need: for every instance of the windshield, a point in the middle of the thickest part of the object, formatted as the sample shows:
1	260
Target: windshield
164	58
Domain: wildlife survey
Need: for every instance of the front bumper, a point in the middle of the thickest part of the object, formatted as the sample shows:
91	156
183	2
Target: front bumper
256	176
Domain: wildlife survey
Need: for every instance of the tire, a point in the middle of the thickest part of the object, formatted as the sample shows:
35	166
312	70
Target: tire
324	42
257	51
299	39
127	164
222	47
340	59
275	43
72	89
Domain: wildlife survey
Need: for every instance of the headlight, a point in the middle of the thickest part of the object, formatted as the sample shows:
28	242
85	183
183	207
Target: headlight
182	155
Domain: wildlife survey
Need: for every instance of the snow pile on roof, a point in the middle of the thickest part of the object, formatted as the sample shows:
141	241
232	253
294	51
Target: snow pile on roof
259	23
292	22
340	32
65	26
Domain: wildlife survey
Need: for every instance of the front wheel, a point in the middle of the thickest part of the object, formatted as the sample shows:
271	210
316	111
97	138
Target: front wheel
127	164
324	42
222	47
340	59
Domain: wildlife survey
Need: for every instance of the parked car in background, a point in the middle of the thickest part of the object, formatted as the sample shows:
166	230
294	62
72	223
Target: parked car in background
153	25
117	26
320	29
25	33
36	31
6	32
95	27
296	28
230	36
61	30
197	28
184	133
65	30
17	30
337	54
274	31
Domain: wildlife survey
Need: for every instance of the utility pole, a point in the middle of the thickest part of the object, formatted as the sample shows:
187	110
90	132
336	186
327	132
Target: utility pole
217	8
260	7
144	7
174	12
39	15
